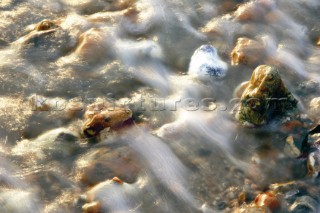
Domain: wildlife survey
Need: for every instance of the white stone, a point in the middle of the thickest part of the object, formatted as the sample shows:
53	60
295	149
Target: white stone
205	63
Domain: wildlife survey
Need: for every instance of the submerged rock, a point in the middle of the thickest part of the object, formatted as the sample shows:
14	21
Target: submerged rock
47	41
292	147
205	63
59	144
92	45
268	199
264	98
253	11
313	163
112	195
247	51
104	163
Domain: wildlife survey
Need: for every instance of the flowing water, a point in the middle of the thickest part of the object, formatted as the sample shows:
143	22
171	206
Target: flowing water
185	151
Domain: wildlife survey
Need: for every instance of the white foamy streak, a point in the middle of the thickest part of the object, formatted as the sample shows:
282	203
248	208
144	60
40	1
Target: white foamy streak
163	163
286	22
213	128
309	3
165	13
17	199
182	11
10	58
7	177
284	57
292	62
144	59
116	198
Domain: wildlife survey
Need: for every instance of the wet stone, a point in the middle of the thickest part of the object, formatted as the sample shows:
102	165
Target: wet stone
46	25
265	97
247	51
92	46
112	196
205	63
103	163
313	163
292	147
268	199
47	41
57	144
101	115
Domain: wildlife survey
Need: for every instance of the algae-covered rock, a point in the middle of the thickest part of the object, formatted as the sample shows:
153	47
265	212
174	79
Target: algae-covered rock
265	97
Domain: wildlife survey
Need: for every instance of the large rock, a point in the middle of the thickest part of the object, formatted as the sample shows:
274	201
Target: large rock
265	97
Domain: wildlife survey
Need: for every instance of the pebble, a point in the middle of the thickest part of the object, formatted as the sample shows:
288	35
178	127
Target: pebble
111	196
92	45
313	163
205	63
268	199
265	97
247	51
292	149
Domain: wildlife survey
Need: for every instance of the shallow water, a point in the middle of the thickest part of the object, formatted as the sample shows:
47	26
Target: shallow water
183	157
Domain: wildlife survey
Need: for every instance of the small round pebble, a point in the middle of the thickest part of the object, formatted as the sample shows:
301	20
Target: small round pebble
205	63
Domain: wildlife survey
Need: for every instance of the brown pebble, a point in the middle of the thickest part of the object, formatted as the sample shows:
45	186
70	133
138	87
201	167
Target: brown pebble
93	207
247	51
268	199
45	25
